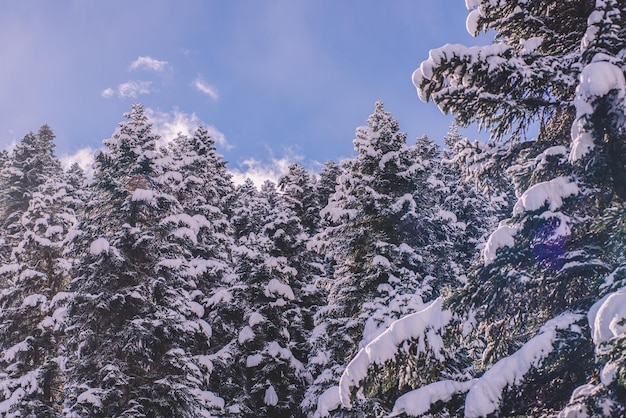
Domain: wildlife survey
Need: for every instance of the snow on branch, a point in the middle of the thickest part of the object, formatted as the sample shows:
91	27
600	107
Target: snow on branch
384	348
504	236
419	401
485	395
606	317
450	52
596	80
551	192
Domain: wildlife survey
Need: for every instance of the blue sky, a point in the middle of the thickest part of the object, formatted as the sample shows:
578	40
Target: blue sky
278	80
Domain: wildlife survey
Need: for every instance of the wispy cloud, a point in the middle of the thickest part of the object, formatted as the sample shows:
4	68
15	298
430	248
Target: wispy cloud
108	93
169	124
84	157
259	171
205	88
130	89
148	63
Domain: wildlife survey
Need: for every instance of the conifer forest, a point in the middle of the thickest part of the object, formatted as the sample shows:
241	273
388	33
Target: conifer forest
436	277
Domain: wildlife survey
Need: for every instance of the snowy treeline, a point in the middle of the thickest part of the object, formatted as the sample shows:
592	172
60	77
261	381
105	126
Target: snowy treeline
469	279
159	288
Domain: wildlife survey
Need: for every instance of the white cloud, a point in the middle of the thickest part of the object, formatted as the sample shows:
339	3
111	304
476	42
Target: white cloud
259	171
148	63
205	88
108	93
130	89
133	89
84	158
165	124
169	124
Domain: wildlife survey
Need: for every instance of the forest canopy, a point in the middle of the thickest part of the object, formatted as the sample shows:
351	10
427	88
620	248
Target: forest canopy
445	277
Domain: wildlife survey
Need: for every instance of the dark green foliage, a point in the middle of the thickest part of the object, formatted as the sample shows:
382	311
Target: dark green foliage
33	304
137	334
382	238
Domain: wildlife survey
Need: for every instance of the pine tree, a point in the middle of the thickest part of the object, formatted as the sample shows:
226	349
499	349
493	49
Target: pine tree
207	186
77	183
31	163
137	340
472	215
266	314
299	190
415	350
229	308
376	237
196	174
33	304
325	186
525	303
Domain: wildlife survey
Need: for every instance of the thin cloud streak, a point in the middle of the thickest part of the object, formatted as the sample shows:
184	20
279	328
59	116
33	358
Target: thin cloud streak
205	88
148	63
168	125
260	172
130	89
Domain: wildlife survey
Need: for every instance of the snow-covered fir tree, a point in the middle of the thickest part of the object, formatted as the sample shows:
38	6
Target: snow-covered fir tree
298	189
419	348
33	303
267	310
473	214
229	309
29	165
327	181
196	174
526	317
380	224
137	340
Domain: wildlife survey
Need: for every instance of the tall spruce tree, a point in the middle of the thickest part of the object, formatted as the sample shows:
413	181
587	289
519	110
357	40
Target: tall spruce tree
33	304
263	314
522	317
376	237
473	214
29	165
298	189
229	308
415	349
325	186
136	336
195	173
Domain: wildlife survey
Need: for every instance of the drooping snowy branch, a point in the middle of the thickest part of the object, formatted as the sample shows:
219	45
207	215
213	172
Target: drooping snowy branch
597	80
550	192
384	348
419	401
485	395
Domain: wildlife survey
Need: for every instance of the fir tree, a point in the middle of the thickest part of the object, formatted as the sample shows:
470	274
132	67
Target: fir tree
299	192
375	240
137	334
229	308
406	357
525	303
33	304
267	312
325	186
31	163
196	174
472	215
